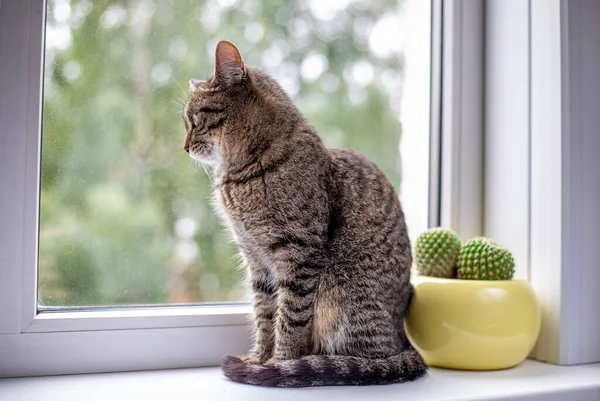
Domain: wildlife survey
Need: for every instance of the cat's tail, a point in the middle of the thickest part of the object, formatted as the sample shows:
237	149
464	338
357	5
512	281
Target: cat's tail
328	370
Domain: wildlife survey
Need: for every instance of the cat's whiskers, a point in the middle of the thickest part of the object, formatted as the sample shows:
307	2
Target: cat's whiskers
185	94
180	105
204	167
207	171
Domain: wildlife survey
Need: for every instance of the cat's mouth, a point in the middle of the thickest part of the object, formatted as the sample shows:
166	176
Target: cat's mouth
210	156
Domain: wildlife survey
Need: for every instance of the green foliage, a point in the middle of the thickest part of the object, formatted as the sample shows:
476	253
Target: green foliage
126	215
483	259
437	252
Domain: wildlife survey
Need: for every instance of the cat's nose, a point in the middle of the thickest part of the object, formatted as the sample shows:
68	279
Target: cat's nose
186	148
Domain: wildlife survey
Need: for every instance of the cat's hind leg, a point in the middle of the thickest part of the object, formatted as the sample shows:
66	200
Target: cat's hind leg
353	321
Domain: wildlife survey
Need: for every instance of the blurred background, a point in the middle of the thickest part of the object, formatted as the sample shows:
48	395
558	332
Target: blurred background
125	214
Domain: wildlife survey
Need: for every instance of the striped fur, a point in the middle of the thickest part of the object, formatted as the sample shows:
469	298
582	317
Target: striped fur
328	370
322	233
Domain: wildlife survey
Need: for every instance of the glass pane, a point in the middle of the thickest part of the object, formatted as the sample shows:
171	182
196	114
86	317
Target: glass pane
125	214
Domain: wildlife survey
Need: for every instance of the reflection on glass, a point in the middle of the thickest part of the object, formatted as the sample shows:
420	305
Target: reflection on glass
126	216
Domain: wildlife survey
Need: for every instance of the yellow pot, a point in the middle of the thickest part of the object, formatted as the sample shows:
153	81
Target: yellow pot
472	324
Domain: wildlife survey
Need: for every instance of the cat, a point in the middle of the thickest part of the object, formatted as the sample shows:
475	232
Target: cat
321	231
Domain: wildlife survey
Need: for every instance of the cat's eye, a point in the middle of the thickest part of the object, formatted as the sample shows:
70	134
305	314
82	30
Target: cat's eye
212	110
195	120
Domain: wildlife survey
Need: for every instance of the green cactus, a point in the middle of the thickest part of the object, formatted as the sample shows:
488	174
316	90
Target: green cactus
482	259
436	253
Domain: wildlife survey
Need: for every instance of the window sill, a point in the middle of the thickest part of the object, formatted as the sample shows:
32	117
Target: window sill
529	381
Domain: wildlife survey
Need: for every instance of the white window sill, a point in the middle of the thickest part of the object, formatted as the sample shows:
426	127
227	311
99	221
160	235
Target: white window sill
529	381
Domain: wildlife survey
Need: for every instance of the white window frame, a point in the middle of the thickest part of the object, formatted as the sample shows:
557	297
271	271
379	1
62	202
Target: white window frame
519	102
461	120
472	200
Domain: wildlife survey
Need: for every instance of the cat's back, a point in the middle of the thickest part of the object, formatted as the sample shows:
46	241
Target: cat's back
368	214
360	180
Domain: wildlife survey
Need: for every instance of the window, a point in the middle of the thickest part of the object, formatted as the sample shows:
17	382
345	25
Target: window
127	267
125	216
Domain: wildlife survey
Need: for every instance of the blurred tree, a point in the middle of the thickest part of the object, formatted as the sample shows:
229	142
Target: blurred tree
125	214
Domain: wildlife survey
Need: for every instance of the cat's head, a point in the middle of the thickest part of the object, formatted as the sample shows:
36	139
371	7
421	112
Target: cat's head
225	112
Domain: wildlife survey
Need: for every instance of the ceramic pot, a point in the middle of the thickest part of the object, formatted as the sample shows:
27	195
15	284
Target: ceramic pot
473	324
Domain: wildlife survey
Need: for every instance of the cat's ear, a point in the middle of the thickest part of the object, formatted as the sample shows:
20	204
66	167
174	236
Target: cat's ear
195	83
229	66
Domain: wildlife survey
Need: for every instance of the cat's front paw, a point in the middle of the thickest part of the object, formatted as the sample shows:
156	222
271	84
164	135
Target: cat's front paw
250	359
255	358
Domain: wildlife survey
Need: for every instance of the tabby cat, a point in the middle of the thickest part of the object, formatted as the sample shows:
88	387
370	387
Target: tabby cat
321	231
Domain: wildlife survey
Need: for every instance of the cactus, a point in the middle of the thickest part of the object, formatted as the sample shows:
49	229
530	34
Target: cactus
482	259
436	253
